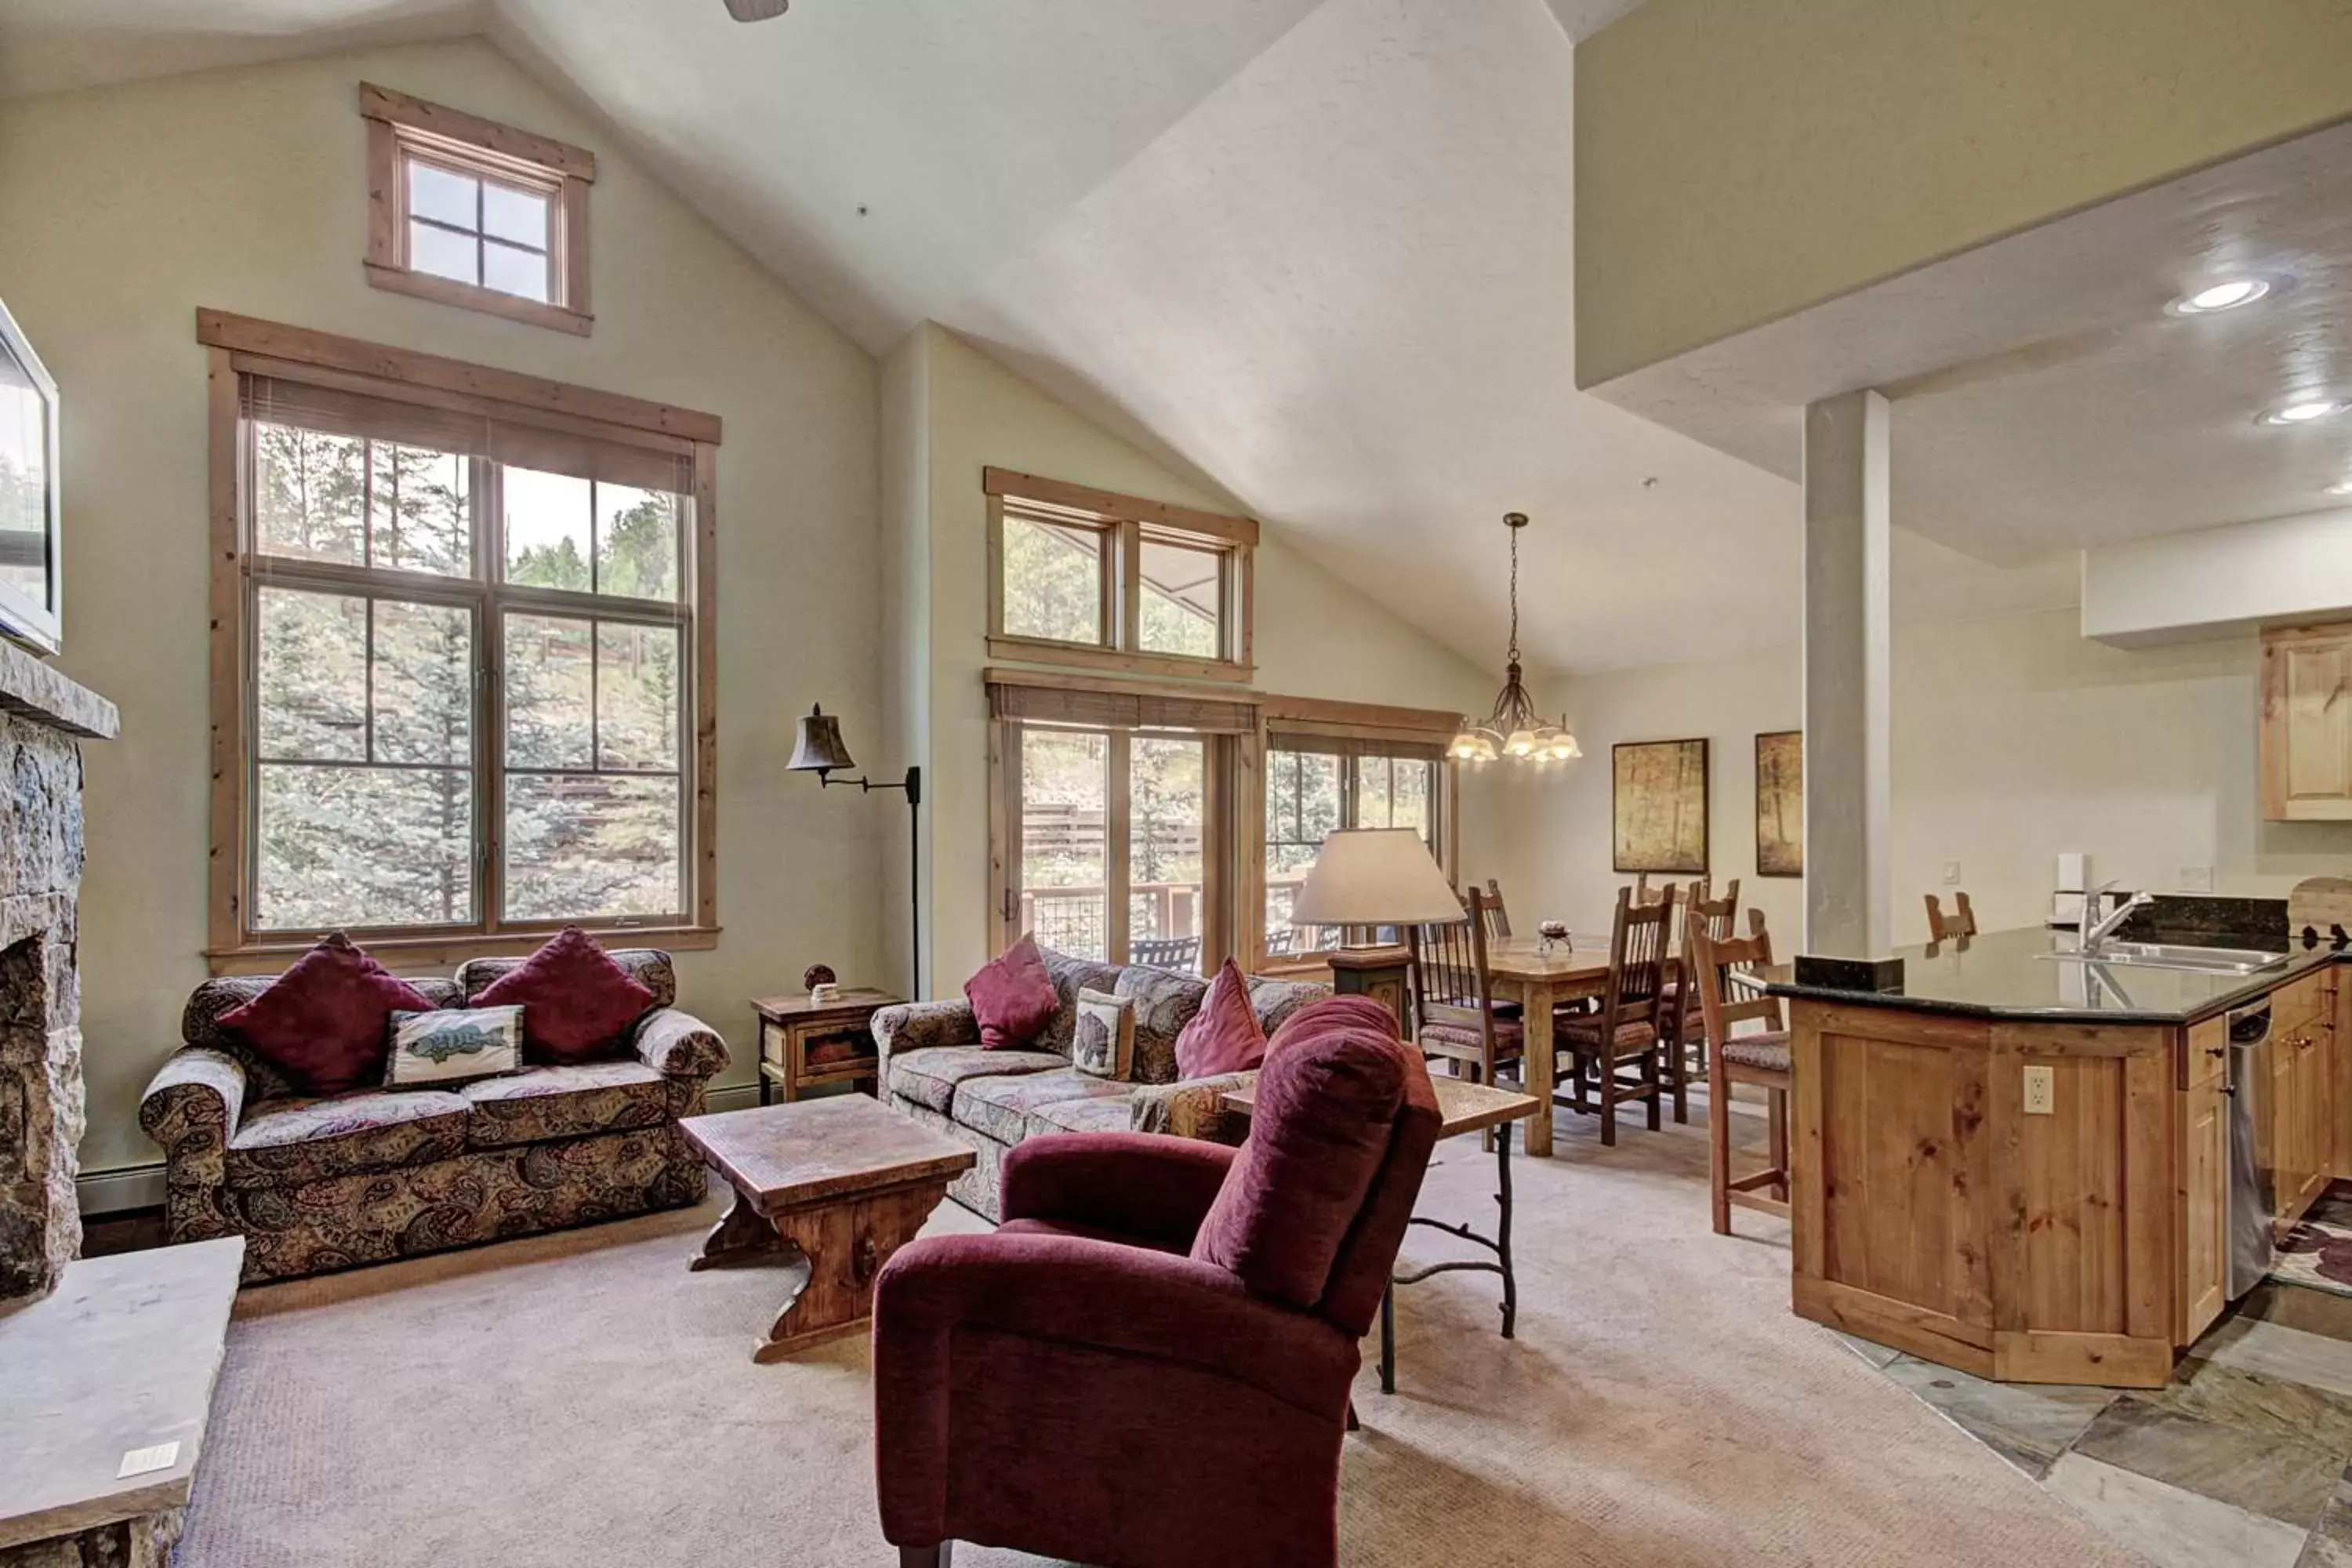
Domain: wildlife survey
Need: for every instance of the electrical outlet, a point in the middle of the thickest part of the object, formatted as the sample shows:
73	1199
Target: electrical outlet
1951	872
2197	878
2040	1091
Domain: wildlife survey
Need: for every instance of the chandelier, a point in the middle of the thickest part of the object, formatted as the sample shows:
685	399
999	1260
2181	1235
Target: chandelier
1513	729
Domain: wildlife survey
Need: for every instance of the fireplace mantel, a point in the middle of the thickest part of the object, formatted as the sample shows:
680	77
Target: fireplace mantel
36	693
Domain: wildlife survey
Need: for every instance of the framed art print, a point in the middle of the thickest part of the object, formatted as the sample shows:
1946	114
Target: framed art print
1659	803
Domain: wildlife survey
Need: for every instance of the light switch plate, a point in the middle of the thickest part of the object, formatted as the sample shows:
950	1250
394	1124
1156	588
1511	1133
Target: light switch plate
139	1461
2197	878
1951	872
2040	1091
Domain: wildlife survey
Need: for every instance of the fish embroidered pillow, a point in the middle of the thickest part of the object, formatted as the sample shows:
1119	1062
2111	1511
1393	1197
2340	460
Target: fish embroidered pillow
453	1045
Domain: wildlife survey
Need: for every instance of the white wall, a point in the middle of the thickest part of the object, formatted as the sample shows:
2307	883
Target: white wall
2014	740
124	209
1554	860
1313	636
906	728
2187	587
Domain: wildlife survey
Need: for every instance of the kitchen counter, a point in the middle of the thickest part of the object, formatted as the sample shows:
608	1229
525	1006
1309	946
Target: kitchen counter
2009	974
2021	1167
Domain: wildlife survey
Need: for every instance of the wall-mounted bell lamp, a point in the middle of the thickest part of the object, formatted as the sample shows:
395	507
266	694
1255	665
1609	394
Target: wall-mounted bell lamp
819	748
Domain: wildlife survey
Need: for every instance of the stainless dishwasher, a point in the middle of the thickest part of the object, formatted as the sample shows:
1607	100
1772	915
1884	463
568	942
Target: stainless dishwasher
2253	1184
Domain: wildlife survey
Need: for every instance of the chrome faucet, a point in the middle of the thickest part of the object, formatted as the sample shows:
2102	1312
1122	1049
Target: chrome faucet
2096	934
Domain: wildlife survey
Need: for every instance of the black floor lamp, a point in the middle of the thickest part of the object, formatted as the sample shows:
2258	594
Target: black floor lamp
818	748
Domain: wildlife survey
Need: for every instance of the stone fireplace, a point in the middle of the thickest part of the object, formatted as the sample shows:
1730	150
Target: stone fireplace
44	718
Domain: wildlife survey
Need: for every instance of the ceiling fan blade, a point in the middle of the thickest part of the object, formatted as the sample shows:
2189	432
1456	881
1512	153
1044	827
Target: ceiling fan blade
757	10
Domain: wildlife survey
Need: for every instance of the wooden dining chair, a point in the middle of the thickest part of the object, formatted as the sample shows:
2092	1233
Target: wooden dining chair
1635	1019
1718	919
1499	923
1758	1057
1454	1015
1962	921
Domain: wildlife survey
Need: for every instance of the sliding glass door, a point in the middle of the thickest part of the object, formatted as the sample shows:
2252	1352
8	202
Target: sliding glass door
1112	831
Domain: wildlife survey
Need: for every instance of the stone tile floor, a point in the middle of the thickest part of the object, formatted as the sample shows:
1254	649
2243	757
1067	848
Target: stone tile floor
2244	1460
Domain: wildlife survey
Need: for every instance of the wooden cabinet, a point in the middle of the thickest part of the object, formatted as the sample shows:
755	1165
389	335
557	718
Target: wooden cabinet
2202	1203
2340	1078
2301	1135
1933	1212
2307	723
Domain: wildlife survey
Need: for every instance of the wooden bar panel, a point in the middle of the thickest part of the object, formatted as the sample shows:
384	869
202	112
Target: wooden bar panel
1933	1212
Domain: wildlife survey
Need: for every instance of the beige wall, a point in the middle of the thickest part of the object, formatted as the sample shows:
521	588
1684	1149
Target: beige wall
2014	740
1315	636
124	209
1736	161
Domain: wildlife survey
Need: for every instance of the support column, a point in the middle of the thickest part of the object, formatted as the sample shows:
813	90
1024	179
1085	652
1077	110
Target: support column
1849	908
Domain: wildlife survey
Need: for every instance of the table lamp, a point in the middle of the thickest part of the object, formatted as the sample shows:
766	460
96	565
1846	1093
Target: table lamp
1374	877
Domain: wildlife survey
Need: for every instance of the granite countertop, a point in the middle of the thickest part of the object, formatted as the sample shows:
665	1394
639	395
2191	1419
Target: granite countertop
2005	975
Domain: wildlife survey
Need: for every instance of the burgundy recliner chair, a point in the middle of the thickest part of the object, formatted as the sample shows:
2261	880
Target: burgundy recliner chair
1148	1364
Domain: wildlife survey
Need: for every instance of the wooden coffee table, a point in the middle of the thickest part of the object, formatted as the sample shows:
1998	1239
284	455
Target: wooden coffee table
829	1189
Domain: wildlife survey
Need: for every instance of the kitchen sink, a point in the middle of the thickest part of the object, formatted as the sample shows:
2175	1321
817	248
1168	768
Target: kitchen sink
2177	955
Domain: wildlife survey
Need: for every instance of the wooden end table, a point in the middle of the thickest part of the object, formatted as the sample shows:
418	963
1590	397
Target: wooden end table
1465	1108
805	1043
828	1189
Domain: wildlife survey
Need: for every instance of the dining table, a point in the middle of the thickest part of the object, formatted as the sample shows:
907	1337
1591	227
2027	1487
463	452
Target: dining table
1539	975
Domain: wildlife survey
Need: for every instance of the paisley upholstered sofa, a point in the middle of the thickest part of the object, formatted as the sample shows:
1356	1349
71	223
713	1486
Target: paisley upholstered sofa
935	1070
321	1183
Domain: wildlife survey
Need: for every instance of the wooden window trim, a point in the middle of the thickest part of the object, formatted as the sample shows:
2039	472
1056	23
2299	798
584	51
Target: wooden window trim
417	377
998	481
231	947
1126	524
399	127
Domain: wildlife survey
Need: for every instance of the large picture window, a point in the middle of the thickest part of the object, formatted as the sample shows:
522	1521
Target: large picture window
461	674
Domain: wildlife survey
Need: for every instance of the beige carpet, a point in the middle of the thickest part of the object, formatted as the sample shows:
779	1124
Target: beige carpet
582	1399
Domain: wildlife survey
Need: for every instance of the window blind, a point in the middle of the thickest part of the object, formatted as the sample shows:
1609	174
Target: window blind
1419	748
335	411
1107	710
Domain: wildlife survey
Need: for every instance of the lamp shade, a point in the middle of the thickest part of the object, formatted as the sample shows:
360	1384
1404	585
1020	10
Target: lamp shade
818	748
1375	876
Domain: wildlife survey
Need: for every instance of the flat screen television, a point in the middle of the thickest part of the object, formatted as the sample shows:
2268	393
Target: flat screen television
32	580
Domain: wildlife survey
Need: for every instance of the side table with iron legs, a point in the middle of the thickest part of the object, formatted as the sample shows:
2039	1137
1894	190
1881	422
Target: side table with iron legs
1467	1108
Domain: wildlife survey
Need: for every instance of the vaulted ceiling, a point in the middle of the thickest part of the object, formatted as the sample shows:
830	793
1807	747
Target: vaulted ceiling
1317	252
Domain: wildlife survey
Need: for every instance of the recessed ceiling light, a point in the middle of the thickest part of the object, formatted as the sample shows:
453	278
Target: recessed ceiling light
2217	297
2340	488
2303	411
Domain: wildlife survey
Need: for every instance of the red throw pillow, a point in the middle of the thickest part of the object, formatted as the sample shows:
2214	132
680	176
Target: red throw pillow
1325	1114
576	1002
326	1021
1011	997
1223	1036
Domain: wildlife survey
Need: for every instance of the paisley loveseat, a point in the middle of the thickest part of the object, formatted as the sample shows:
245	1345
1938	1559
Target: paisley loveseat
315	1184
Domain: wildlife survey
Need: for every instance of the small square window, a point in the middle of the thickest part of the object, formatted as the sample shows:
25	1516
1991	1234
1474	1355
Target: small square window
468	212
